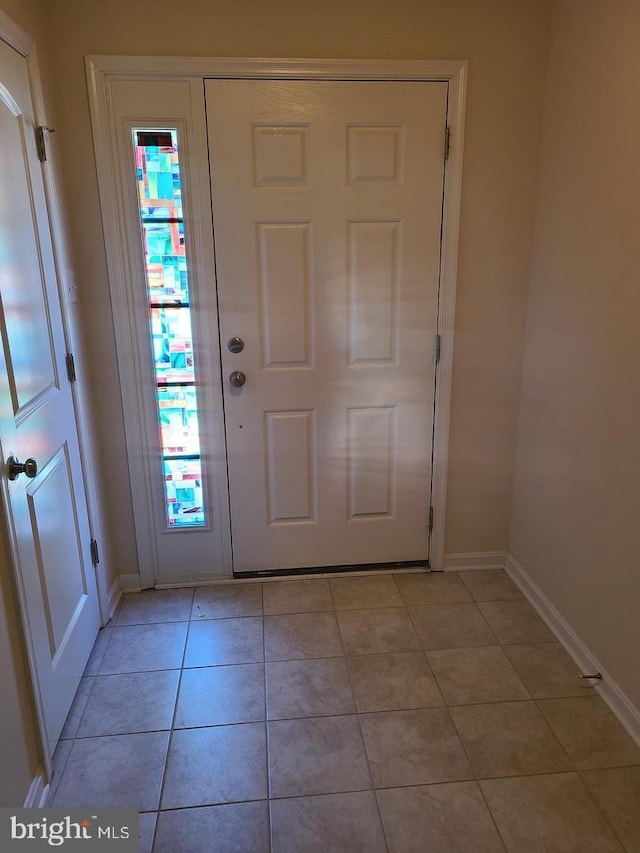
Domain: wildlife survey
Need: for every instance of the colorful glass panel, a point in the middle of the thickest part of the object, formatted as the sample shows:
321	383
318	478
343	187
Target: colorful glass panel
160	203
166	262
183	488
172	344
178	411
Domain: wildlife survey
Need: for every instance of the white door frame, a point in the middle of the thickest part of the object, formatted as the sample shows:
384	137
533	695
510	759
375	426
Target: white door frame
24	44
102	71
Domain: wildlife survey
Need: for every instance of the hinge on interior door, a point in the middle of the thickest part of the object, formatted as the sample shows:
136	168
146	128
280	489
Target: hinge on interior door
41	148
438	348
430	519
447	141
71	367
95	554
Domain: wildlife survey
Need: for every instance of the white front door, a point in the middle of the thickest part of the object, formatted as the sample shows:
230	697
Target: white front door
327	202
45	509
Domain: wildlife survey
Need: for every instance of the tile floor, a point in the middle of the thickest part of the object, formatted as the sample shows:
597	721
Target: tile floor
403	712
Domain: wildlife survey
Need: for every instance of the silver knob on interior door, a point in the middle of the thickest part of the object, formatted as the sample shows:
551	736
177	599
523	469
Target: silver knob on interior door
14	468
237	378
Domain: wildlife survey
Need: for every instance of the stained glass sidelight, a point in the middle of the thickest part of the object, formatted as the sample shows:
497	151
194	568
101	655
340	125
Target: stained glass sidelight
160	199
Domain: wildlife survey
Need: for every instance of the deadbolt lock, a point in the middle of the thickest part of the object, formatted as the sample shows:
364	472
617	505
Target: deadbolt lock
235	344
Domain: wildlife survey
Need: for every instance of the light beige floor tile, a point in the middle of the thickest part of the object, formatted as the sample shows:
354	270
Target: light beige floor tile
219	695
490	585
77	708
301	635
359	593
515	622
308	688
155	605
431	588
239	827
509	739
553	814
377	631
111	772
451	626
134	702
320	755
468	676
393	681
450	818
215	642
297	596
222	601
589	732
547	670
617	792
413	748
330	822
141	648
146	829
98	651
215	765
60	757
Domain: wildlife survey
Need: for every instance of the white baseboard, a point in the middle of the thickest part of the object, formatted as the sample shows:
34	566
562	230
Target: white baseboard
129	583
115	593
585	660
474	560
38	792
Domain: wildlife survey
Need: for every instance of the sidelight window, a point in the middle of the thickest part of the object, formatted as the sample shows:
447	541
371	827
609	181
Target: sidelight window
170	327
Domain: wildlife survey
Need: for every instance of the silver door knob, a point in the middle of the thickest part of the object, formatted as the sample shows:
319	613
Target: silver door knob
235	344
14	468
237	378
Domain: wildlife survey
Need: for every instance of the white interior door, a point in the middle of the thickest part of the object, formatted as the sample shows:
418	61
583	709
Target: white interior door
45	509
327	204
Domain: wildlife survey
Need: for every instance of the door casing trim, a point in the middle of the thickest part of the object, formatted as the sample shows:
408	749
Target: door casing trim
102	70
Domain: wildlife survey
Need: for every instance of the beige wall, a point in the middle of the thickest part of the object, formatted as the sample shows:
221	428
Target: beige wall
576	512
506	43
19	756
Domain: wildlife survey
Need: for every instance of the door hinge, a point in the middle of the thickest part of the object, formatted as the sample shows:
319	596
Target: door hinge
447	141
41	147
438	348
71	367
95	554
430	519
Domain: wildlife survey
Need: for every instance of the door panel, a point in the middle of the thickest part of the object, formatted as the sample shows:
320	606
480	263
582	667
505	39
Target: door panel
22	295
372	481
373	291
291	466
46	515
285	298
327	215
52	511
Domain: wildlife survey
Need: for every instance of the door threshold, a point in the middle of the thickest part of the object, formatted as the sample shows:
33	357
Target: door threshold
333	570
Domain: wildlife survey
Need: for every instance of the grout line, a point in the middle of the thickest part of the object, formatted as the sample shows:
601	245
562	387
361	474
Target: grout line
163	778
503	840
477	780
267	734
594	800
59	771
360	729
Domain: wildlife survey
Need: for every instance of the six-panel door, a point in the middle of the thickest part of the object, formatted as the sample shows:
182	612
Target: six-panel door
327	202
